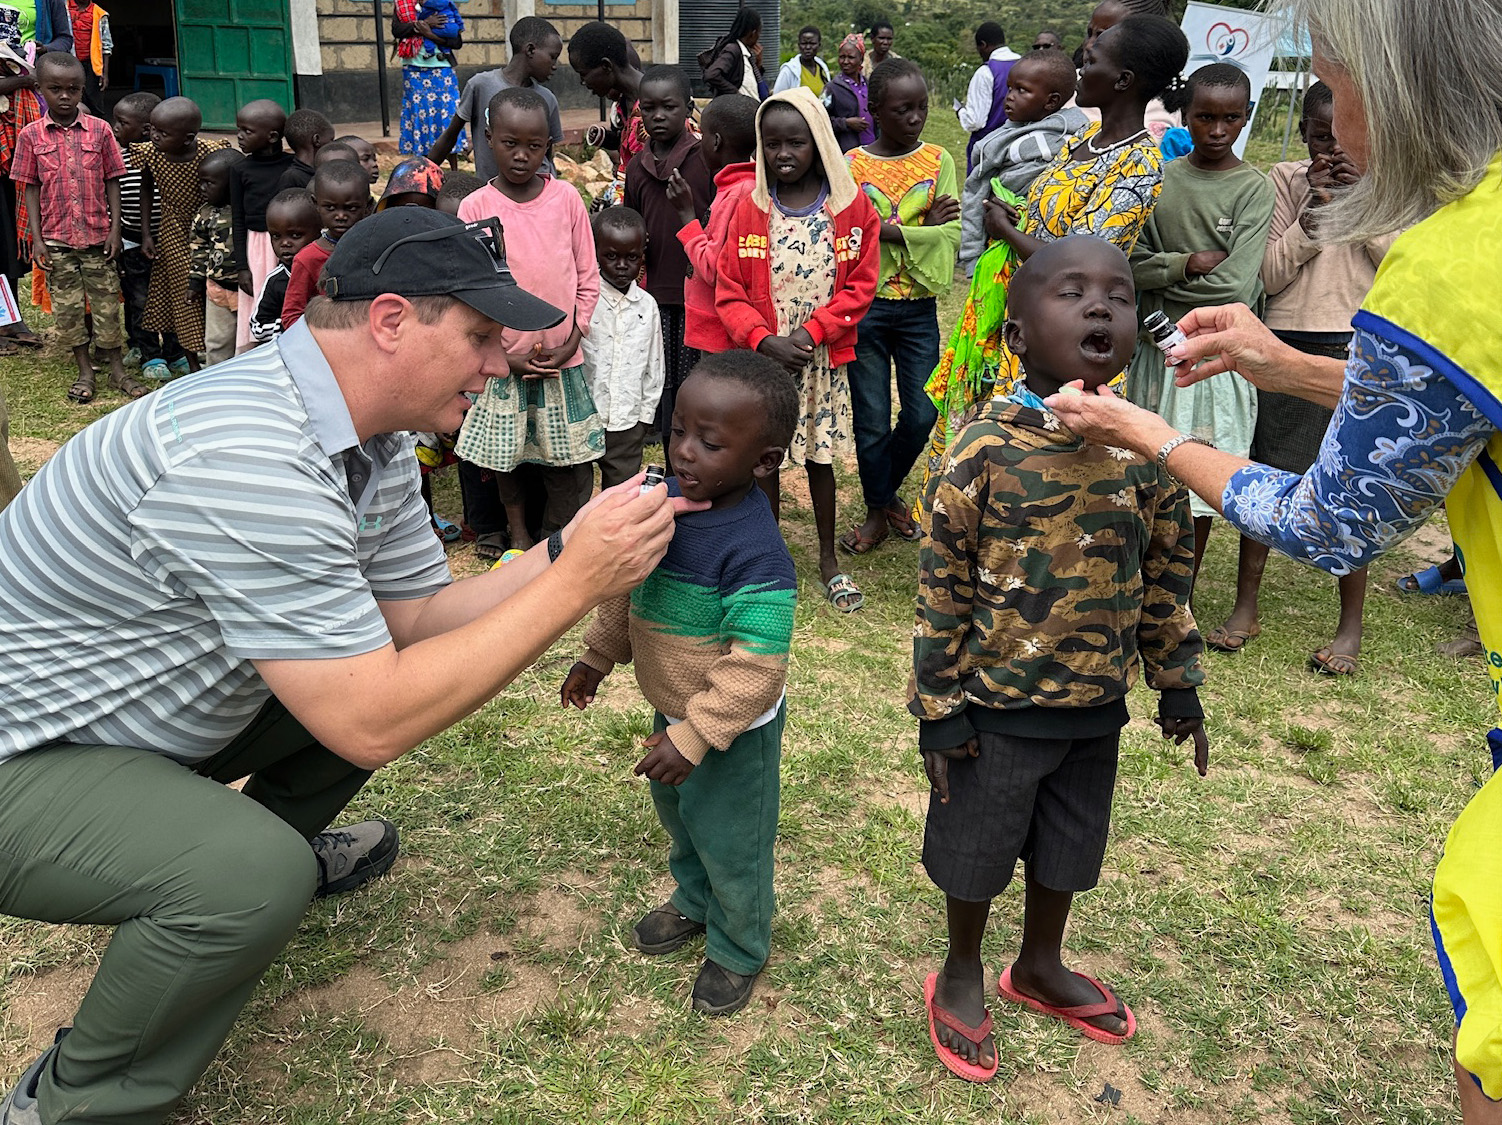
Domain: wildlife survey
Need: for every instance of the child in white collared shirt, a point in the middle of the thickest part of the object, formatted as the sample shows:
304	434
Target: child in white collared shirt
623	360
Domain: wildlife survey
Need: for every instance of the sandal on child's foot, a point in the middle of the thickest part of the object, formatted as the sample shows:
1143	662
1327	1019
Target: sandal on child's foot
844	594
900	520
719	992
130	388
82	391
664	930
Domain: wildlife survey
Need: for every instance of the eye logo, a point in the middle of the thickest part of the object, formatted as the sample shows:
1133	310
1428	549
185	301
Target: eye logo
1226	42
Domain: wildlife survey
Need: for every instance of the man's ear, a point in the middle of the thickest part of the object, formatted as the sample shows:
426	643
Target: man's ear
769	462
1016	341
389	315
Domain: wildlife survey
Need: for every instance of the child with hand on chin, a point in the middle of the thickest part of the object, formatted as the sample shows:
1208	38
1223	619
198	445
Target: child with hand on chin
709	633
542	413
1052	570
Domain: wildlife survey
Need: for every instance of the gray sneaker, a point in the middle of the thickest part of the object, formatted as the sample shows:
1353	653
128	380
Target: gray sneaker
20	1105
352	856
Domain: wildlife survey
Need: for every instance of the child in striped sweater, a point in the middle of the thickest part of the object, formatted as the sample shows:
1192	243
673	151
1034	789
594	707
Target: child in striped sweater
709	632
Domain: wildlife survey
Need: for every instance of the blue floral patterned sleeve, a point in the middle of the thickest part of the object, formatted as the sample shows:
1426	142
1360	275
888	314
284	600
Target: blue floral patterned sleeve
1401	436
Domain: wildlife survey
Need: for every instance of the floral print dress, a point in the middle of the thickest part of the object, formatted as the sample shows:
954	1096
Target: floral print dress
802	279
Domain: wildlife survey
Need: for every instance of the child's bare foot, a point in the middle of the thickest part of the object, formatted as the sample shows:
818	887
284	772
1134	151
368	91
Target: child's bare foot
961	991
1057	987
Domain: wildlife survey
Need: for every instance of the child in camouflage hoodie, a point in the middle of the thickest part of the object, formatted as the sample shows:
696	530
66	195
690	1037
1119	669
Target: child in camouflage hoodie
1052	568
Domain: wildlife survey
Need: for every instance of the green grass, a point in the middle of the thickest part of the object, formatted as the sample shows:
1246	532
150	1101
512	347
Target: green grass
1267	923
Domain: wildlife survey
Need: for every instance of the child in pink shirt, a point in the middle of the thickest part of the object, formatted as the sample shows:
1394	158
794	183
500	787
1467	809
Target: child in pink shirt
542	414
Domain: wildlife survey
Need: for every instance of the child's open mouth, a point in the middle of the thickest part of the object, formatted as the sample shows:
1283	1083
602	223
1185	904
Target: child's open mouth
1098	344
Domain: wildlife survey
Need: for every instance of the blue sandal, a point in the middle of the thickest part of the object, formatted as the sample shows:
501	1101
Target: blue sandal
446	531
1430	582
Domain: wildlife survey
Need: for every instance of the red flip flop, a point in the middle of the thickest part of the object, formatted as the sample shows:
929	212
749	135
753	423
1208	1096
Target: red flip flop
970	1072
1076	1016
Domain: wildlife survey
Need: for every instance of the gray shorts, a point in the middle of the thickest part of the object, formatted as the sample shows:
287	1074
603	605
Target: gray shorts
1046	801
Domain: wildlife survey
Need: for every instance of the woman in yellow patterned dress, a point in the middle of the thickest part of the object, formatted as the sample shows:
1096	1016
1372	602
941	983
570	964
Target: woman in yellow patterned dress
1104	182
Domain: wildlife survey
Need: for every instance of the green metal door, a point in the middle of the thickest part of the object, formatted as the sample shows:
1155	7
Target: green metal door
230	52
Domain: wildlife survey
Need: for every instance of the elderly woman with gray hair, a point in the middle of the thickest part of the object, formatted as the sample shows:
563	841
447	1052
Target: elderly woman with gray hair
1418	404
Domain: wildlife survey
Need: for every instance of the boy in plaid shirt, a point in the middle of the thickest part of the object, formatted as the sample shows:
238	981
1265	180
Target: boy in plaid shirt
70	167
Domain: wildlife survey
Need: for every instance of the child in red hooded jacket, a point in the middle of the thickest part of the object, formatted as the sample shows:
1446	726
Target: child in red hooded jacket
797	272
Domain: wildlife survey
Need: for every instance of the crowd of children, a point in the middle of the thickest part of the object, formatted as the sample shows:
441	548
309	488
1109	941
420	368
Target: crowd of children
743	293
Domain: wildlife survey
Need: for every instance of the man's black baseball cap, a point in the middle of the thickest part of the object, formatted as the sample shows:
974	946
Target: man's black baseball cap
420	252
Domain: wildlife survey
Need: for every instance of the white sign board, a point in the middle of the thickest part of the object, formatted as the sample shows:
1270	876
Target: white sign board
1232	35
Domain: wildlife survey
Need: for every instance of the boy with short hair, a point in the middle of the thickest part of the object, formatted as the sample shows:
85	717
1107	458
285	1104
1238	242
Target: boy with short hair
292	223
132	127
535	47
212	276
709	633
259	126
307	131
341	198
1038	124
623	351
727	147
71	167
672	149
1052	568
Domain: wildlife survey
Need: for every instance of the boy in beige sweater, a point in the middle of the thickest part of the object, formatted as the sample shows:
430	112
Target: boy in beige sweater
709	632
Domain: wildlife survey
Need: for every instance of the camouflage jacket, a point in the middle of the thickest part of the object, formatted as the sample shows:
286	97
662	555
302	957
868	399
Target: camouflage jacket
1049	568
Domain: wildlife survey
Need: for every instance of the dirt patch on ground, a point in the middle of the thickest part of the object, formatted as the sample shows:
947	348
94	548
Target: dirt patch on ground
31	453
433	1022
35	1007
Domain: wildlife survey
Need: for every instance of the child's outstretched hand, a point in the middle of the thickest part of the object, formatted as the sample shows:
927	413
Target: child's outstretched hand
663	762
580	685
789	351
1181	729
945	209
681	198
936	765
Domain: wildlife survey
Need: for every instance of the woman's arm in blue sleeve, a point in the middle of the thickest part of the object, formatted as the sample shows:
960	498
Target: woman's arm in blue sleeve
1401	436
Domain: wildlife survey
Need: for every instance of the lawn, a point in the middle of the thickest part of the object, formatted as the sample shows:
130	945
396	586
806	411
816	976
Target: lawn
1268	923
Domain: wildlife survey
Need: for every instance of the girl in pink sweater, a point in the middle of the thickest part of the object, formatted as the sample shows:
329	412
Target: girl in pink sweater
542	414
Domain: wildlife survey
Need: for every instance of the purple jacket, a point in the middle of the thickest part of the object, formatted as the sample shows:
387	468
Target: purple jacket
998	115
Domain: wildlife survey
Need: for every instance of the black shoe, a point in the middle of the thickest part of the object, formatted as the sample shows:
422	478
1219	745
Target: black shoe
719	992
352	856
20	1105
664	930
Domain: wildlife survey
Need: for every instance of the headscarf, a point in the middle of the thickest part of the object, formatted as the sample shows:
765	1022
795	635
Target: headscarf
858	41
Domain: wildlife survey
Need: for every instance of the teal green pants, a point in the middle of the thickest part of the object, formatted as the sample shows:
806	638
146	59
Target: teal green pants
203	885
723	822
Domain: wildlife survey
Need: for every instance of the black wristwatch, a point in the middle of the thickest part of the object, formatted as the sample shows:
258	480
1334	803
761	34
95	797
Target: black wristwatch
555	546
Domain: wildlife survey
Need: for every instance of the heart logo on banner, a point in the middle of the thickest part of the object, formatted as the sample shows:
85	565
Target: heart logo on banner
1225	41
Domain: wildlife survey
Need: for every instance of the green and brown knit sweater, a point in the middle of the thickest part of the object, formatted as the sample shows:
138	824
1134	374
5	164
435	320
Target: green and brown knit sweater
1050	568
710	629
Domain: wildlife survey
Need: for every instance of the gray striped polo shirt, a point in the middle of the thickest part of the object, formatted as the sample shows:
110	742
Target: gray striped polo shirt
231	516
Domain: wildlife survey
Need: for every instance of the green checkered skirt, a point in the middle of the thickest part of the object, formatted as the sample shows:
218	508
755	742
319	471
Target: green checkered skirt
538	421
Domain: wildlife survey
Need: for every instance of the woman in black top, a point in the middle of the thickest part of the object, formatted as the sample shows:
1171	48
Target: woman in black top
725	64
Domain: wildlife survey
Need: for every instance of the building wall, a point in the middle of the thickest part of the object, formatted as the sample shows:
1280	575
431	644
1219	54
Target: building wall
348	89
